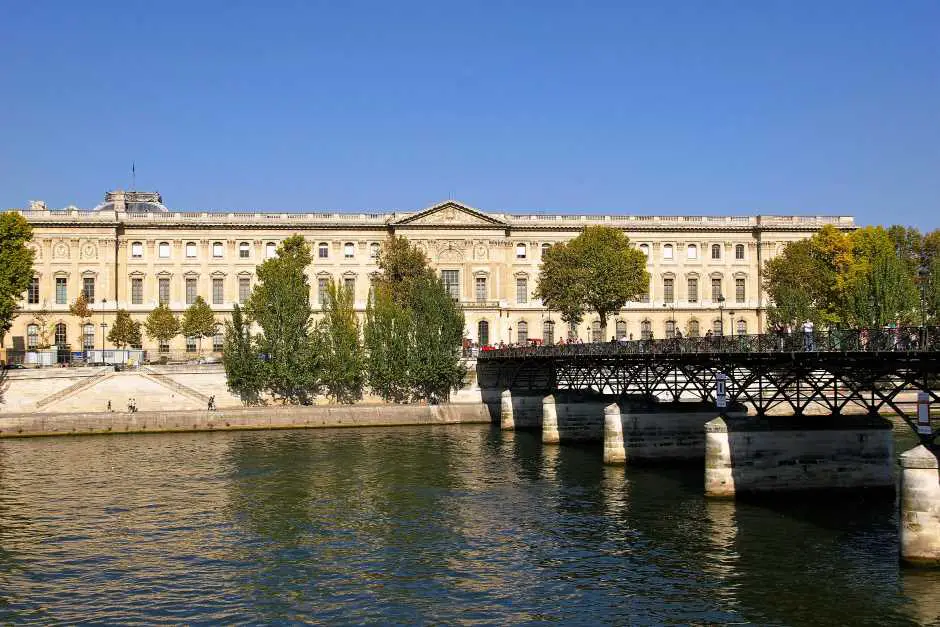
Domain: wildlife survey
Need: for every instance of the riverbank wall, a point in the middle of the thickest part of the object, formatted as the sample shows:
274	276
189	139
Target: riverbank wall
242	418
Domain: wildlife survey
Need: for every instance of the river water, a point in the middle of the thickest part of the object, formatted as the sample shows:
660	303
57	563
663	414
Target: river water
457	524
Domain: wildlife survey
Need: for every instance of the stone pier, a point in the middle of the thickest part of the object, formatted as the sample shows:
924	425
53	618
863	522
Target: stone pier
520	411
764	454
920	507
614	452
549	421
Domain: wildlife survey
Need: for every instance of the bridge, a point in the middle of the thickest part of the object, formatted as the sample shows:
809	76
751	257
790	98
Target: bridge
764	413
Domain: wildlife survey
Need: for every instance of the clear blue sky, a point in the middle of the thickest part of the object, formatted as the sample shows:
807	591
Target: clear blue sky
694	106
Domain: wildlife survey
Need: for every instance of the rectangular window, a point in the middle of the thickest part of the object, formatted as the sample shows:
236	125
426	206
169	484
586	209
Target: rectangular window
480	289
522	290
244	250
88	288
61	291
137	291
322	285
32	293
669	290
163	291
32	336
244	289
739	290
349	250
190	344
693	290
451	280
164	347
323	251
137	250
217	250
88	337
190	291
716	289
645	296
217	291
163	250
218	342
350	284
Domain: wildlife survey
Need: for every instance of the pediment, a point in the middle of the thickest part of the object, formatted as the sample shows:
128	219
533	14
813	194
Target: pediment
450	214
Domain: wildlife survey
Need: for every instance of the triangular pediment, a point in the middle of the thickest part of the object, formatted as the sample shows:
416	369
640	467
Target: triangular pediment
450	213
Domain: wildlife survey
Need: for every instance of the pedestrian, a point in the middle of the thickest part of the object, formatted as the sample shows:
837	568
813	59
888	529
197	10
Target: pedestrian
809	343
109	405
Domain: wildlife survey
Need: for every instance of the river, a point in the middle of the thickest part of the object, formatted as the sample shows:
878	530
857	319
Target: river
456	524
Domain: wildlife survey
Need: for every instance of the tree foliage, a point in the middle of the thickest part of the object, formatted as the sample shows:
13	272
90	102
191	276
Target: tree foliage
387	338
126	330
198	320
16	266
597	271
162	325
339	348
244	370
80	308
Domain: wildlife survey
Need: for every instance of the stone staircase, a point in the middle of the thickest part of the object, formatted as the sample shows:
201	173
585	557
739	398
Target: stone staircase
75	388
162	379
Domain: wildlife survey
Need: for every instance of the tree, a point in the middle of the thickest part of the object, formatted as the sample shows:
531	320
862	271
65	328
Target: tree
244	372
198	321
340	351
280	304
16	266
388	334
401	264
162	325
126	330
880	280
80	308
434	358
598	270
794	280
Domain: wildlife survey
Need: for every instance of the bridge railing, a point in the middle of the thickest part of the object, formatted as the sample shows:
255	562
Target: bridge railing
910	339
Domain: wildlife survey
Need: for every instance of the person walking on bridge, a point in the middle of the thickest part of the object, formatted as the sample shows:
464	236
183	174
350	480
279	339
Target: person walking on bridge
809	343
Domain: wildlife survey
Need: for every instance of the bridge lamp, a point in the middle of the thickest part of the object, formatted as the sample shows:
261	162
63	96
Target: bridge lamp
731	320
721	313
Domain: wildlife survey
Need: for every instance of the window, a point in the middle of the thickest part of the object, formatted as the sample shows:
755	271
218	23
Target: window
32	336
716	251
163	291
717	327
520	251
670	329
693	328
137	291
61	335
244	289
218	342
522	333
163	250
669	290
693	289
645	296
483	332
522	290
596	331
190	344
323	250
692	251
739	293
217	250
217	291
667	251
349	283
716	290
349	250
374	250
137	250
545	246
645	249
621	329
322	285
646	330
32	292
244	250
548	331
742	327
270	250
190	291
61	290
88	288
451	280
480	289
164	347
88	337
739	251
190	250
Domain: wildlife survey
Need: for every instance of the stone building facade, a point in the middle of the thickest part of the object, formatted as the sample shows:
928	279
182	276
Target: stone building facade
132	252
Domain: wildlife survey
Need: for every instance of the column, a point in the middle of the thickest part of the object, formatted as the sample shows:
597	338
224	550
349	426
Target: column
719	477
614	452
920	507
550	421
506	421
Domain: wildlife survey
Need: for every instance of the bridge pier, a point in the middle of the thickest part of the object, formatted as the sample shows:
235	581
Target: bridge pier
614	451
764	454
507	420
549	420
919	520
520	411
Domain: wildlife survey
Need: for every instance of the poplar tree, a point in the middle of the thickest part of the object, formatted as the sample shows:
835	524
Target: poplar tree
16	266
244	372
339	347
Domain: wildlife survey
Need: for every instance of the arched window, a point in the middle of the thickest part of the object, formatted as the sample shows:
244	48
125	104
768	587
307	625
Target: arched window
190	250
374	250
621	329
670	329
716	251
717	327
323	250
244	250
217	250
596	331
522	332
137	250
693	328
646	330
483	332
548	332
61	335
270	250
163	250
739	251
88	336
645	249
692	251
667	251
520	251
32	336
742	327
349	250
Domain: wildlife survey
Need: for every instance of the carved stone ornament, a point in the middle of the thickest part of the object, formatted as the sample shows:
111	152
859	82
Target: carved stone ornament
60	251
480	252
89	251
450	213
450	254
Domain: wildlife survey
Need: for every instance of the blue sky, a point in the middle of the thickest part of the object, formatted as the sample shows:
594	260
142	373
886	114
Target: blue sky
695	107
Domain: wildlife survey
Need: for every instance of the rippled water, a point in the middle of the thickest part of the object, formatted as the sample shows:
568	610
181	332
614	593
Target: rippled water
422	525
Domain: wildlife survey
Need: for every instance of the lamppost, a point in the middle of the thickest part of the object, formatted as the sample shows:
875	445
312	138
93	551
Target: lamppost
923	274
510	335
104	326
672	316
721	314
731	320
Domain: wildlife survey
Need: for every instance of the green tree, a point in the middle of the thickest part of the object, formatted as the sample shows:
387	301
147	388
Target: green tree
280	304
339	347
598	270
879	282
388	333
198	321
16	266
244	370
162	325
401	264
126	330
434	357
794	280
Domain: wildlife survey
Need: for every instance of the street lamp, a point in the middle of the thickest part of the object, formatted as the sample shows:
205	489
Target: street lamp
672	316
731	320
721	314
510	334
104	325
